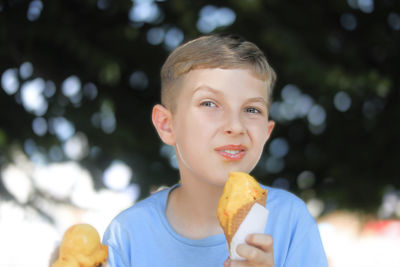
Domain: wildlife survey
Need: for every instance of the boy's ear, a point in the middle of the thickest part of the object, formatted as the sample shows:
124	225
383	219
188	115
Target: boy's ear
162	121
270	127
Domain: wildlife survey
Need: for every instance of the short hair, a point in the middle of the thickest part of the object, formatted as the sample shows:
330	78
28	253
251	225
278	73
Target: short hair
223	51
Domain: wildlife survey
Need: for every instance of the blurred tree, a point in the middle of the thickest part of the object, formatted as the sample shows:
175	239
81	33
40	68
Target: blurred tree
89	71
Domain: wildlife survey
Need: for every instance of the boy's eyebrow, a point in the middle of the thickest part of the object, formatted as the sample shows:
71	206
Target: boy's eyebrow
206	88
258	99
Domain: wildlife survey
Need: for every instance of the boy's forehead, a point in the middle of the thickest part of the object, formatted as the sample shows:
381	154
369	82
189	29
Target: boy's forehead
216	81
248	68
215	76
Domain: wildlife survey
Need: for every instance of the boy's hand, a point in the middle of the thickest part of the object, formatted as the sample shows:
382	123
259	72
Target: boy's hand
258	252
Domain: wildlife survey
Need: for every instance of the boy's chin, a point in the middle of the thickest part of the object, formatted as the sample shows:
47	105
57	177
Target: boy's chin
220	179
236	168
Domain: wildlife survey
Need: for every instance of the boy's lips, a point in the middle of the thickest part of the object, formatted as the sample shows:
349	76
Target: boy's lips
232	152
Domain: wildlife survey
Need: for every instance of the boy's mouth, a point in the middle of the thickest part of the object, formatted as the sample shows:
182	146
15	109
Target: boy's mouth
232	152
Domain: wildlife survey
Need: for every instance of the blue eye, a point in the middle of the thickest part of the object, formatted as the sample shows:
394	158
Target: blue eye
208	104
252	110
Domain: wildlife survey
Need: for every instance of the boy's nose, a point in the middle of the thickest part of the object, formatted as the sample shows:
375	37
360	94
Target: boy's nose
234	125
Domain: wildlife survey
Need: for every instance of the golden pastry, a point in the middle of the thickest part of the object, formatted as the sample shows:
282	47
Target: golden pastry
81	247
240	193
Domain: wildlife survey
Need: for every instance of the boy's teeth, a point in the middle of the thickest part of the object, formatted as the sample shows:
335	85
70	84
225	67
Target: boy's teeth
232	151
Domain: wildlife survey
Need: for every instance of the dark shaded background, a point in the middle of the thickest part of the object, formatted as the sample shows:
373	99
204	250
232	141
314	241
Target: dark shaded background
336	101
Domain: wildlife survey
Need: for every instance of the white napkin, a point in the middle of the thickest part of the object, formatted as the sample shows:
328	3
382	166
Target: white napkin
253	223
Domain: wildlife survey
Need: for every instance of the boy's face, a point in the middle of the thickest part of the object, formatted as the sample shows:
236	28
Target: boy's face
220	123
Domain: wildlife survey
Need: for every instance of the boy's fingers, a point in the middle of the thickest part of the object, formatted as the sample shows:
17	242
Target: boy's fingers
262	241
238	264
257	251
252	254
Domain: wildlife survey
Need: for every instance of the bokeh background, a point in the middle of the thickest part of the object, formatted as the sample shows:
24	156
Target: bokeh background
79	79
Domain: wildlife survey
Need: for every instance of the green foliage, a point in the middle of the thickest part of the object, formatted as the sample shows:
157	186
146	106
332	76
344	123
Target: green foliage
313	45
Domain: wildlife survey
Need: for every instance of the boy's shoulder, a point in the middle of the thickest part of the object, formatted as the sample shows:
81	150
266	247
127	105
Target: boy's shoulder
149	206
284	206
282	198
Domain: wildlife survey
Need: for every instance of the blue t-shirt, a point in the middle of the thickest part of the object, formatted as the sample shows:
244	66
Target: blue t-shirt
142	236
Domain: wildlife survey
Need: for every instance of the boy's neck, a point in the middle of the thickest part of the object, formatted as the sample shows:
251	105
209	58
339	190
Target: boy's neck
192	208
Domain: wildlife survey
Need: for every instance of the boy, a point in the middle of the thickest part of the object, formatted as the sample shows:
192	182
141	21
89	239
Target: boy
215	96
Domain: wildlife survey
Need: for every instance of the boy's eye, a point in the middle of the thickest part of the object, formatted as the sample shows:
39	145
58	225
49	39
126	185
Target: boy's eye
208	104
253	110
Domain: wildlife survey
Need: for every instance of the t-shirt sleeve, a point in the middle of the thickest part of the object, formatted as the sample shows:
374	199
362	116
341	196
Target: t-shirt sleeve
116	240
306	248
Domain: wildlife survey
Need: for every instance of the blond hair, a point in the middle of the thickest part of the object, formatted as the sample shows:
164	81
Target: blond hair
213	51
